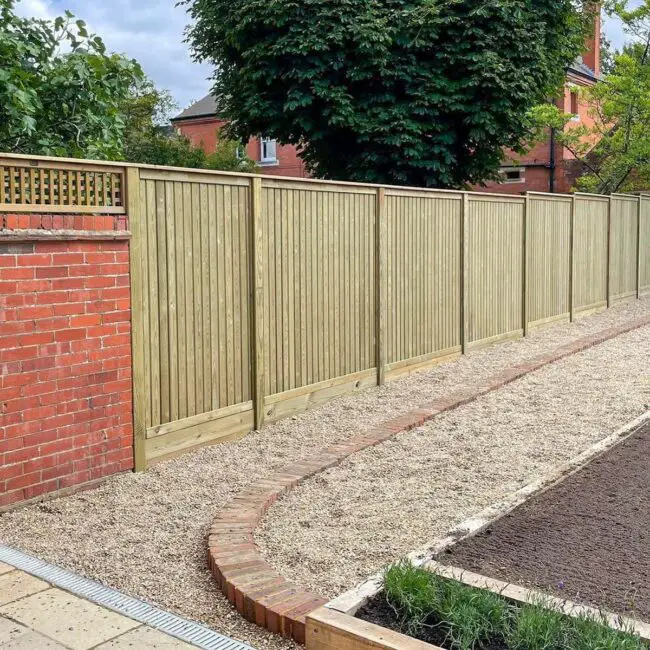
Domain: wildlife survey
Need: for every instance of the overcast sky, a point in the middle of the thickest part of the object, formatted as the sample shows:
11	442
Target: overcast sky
151	31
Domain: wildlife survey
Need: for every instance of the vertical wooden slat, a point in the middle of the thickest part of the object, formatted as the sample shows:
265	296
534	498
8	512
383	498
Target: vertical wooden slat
228	291
181	329
137	317
104	189
464	273
190	336
572	258
221	284
524	267
32	186
197	306
153	332
52	189
170	222
257	300
381	285
609	252
244	289
78	188
213	255
12	185
22	186
163	310
3	196
206	297
638	248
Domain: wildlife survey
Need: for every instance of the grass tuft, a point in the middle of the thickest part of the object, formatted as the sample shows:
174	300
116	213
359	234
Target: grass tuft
465	618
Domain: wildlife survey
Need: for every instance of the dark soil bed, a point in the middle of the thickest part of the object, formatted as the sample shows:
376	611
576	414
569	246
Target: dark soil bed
587	539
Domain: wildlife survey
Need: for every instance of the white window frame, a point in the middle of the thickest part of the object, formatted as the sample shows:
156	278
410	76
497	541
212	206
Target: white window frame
513	181
267	158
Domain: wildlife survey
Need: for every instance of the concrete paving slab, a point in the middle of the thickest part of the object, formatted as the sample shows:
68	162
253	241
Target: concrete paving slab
5	568
72	621
18	584
14	636
146	638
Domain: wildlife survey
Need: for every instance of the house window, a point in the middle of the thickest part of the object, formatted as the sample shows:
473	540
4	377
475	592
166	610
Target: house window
575	106
513	175
268	153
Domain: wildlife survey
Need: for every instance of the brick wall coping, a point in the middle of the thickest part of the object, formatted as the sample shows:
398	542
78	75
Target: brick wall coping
33	234
254	587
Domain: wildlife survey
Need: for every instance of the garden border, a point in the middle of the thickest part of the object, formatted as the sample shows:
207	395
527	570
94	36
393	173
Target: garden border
334	626
255	588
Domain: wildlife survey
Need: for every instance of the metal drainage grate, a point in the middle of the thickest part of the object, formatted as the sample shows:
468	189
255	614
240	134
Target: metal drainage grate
138	610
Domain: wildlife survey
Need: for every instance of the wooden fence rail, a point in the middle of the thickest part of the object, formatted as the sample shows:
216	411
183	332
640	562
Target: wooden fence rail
256	297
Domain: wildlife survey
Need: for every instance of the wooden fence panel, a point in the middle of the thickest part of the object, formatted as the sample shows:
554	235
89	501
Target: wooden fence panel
291	292
319	292
644	248
548	240
423	278
495	266
590	253
196	277
623	254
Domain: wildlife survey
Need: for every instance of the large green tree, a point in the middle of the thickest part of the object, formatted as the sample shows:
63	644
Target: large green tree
614	148
60	91
420	92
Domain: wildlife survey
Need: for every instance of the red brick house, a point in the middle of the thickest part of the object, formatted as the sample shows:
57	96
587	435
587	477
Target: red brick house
548	167
201	124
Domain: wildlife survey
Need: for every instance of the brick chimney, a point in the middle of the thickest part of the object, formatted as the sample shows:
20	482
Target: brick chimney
591	56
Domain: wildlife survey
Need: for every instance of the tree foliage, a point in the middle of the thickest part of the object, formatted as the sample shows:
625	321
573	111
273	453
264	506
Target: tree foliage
149	139
60	92
420	92
615	151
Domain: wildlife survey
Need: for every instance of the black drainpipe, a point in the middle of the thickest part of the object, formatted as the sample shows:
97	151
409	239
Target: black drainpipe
551	165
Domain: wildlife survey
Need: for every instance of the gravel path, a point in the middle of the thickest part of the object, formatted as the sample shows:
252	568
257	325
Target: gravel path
145	534
348	522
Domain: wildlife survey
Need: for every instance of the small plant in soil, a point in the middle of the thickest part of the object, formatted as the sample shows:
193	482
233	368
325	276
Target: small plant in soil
454	616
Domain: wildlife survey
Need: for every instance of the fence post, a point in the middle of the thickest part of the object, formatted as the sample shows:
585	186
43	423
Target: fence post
524	279
257	295
380	286
464	272
572	224
609	253
638	249
136	225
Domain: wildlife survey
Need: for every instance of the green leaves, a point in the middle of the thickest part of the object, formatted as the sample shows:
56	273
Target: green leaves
418	92
59	100
613	148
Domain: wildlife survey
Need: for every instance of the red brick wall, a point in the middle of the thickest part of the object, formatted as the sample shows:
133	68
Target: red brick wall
202	132
65	357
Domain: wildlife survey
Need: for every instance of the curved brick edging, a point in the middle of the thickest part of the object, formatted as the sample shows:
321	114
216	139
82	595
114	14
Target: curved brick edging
254	587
